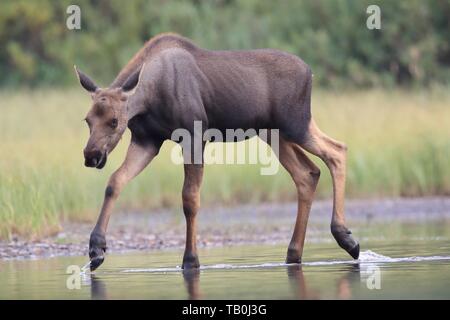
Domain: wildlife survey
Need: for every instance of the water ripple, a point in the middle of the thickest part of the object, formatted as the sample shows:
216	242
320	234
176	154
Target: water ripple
365	257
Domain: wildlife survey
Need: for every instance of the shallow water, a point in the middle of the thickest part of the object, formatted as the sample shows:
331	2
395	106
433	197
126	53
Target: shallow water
402	269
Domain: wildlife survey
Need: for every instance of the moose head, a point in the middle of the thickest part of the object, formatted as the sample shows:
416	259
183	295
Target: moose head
107	118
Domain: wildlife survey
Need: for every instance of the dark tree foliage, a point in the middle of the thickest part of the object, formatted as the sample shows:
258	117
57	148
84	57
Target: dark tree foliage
412	47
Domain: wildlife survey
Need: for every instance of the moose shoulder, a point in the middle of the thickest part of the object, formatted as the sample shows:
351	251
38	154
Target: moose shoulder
170	84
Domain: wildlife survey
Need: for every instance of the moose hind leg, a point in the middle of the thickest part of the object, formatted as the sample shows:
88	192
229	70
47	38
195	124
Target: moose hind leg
193	174
334	154
306	176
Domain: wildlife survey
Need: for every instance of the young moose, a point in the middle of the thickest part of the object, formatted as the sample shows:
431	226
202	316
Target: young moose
169	84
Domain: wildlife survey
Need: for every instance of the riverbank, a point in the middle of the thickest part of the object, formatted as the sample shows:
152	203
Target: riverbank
397	146
268	223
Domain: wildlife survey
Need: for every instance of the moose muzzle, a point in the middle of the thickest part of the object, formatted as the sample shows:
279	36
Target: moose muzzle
94	158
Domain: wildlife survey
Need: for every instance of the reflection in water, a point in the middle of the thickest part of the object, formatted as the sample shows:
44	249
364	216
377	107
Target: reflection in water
297	280
344	285
302	291
192	282
98	288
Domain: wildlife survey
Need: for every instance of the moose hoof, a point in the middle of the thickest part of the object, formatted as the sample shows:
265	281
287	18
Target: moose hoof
354	252
345	240
190	261
97	249
293	257
96	262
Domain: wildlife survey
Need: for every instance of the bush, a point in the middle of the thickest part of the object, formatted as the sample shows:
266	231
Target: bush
411	48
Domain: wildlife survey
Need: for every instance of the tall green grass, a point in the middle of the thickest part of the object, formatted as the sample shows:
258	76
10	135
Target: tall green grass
399	145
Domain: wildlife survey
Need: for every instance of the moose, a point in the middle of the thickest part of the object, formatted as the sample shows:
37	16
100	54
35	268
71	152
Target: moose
171	83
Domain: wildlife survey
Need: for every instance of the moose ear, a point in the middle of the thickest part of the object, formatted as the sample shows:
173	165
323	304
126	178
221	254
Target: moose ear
85	81
132	82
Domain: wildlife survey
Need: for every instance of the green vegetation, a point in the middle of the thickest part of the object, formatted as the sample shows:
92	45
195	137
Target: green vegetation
412	47
398	146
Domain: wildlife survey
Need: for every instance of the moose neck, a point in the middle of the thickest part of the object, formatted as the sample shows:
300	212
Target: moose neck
136	103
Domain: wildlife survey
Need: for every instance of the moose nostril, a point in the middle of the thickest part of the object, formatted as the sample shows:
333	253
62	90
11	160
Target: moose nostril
92	158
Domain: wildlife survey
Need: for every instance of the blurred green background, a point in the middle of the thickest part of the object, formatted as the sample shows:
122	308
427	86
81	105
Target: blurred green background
411	48
383	92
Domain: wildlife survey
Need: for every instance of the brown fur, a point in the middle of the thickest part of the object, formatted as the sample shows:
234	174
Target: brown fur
170	83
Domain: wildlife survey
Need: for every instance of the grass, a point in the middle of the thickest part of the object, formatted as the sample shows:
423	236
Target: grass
398	146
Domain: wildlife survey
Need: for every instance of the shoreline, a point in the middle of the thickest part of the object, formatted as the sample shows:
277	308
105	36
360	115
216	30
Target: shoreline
267	223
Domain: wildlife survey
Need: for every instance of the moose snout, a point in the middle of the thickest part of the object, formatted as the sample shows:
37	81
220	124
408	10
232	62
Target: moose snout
92	158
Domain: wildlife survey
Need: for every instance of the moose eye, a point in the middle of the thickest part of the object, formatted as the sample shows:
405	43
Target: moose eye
114	122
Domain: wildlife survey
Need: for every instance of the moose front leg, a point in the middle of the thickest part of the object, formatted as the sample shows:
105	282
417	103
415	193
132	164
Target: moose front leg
137	158
193	174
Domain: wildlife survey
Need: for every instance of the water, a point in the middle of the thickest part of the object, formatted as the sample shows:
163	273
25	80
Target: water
402	269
